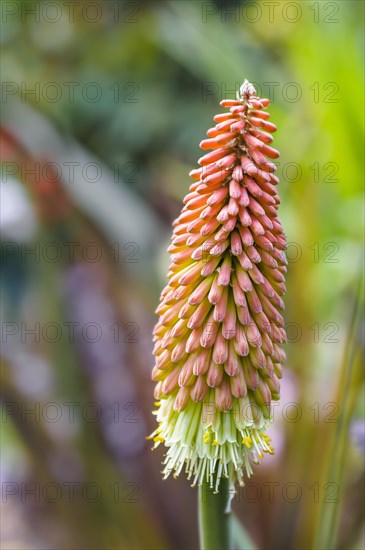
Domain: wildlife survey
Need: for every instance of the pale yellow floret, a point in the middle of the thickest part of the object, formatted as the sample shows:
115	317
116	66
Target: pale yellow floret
205	450
247	441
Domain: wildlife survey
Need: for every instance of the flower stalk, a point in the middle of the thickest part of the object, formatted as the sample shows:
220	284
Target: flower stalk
215	517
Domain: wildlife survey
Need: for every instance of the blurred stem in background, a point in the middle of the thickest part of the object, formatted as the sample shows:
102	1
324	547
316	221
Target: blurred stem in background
349	385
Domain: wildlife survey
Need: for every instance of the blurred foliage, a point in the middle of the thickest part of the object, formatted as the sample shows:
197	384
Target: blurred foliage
132	87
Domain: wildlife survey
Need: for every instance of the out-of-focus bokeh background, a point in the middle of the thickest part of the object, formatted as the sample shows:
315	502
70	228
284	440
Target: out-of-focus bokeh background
104	104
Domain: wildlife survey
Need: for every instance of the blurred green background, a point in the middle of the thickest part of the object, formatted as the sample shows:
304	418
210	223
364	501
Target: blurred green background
104	105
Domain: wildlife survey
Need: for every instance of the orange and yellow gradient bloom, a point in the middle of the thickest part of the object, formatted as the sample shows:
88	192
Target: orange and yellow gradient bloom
219	334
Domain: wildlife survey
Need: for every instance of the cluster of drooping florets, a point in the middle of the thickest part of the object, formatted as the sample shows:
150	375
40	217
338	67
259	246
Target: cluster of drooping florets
217	340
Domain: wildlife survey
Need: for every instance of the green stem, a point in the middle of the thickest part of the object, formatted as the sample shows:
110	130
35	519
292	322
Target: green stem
215	522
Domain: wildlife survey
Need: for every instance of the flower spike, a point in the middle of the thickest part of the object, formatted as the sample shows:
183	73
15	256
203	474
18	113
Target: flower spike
219	334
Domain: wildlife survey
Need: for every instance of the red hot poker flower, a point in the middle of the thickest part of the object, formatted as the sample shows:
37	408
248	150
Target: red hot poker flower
218	338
